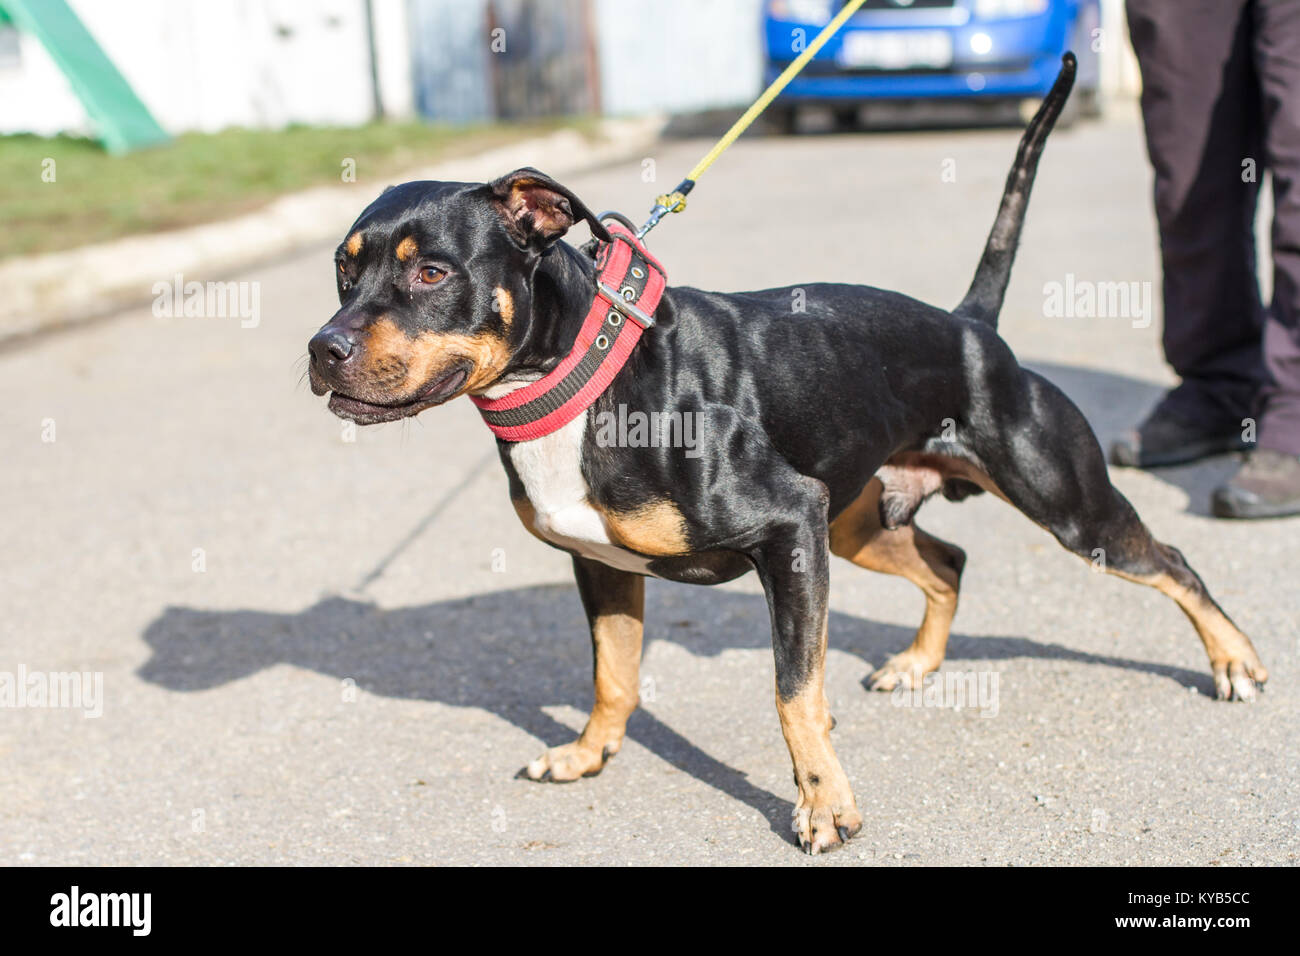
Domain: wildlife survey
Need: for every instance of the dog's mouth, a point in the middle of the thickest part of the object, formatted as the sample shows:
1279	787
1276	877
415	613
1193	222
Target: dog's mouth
372	413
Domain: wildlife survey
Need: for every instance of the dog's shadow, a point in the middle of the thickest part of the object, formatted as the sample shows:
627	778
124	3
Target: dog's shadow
515	652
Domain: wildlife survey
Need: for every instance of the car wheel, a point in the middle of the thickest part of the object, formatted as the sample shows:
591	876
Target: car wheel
1092	103
780	120
1069	114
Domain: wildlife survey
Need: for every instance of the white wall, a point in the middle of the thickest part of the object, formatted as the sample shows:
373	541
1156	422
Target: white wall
1119	66
678	54
393	55
208	65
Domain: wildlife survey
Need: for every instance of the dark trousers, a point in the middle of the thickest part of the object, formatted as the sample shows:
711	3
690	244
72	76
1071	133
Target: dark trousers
1221	103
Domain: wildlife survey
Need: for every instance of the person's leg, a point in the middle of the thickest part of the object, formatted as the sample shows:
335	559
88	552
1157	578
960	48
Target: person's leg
1200	110
1268	484
1277	62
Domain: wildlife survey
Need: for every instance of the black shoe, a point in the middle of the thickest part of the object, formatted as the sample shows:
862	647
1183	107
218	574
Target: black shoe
1167	439
1267	486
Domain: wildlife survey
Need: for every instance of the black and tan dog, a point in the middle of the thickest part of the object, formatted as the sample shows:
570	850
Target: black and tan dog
822	433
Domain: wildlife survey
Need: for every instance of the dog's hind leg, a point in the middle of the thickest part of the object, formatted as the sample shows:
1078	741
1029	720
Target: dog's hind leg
931	564
1042	457
615	604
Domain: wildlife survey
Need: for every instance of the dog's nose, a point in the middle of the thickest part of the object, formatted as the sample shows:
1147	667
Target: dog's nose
329	347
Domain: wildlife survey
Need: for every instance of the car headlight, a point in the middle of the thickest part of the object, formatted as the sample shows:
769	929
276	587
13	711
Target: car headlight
803	11
993	9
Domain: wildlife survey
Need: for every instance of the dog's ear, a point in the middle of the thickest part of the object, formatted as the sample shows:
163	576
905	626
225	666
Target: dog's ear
537	210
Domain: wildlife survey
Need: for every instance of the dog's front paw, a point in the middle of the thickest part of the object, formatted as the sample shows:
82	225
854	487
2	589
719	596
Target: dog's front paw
906	670
569	762
1239	679
825	826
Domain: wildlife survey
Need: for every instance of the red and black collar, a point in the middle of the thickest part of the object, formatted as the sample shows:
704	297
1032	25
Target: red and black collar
628	289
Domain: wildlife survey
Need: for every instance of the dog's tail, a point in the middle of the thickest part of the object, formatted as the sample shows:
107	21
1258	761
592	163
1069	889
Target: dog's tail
984	298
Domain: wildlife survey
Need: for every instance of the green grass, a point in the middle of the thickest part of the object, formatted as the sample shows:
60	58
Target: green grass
205	177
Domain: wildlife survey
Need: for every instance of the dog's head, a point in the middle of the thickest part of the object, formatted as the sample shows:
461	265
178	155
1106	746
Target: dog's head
434	287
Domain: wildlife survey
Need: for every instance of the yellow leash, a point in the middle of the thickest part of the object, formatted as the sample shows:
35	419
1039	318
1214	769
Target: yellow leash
676	200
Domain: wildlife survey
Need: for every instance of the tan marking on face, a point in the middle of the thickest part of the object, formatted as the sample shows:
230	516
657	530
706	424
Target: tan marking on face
353	244
407	249
505	306
656	529
401	365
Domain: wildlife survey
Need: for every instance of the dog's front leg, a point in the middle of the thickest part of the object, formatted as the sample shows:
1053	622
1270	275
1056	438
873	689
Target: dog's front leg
615	603
794	565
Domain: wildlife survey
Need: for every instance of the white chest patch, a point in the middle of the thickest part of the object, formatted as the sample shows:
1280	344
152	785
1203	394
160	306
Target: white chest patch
550	469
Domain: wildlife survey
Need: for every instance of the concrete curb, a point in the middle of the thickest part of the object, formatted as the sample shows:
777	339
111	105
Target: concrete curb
63	288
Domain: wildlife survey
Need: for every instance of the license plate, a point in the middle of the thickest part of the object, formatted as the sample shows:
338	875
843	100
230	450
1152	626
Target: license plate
896	49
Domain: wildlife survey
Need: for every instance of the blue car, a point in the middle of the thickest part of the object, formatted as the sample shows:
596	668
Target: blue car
931	49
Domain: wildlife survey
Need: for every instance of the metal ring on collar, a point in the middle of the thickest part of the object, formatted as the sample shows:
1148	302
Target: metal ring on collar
619	218
629	309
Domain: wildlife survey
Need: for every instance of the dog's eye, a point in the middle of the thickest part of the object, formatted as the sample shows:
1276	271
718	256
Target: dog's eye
429	275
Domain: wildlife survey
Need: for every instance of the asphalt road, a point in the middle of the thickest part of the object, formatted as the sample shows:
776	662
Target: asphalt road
316	650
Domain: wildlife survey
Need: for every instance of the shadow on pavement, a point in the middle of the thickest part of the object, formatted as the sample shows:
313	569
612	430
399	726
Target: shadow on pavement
514	652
